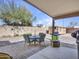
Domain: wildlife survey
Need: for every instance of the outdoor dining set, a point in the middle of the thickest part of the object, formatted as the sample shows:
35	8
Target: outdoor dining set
29	38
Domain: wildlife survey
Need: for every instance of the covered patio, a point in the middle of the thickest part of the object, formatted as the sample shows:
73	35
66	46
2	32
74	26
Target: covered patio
56	10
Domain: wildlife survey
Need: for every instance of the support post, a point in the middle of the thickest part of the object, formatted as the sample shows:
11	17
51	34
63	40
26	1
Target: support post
55	41
53	25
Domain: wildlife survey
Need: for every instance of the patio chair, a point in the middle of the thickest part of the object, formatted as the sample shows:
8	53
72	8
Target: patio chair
5	56
42	37
27	39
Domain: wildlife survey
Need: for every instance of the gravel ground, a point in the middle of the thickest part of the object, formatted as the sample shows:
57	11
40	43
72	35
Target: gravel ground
66	38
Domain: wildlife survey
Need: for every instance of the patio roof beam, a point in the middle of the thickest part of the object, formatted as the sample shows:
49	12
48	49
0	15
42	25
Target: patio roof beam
57	8
68	15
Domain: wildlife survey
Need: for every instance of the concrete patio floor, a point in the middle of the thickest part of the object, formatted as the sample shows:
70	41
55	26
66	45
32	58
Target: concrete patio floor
20	51
55	53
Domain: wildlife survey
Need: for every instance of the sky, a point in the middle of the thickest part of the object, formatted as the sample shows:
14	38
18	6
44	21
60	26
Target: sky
43	18
65	22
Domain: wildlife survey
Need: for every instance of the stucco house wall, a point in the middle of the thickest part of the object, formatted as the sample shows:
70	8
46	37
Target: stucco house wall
61	30
70	30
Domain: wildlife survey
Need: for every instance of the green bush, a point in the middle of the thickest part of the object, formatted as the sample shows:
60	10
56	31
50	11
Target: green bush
54	37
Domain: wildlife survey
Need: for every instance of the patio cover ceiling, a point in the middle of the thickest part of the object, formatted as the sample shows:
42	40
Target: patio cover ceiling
57	8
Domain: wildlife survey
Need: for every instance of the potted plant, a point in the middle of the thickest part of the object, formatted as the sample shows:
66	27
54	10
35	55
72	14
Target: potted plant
55	41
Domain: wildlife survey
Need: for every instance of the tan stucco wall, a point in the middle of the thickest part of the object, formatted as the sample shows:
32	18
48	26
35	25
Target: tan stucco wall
11	31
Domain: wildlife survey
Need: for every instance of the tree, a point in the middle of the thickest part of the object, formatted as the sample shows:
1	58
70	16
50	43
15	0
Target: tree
39	25
15	15
72	24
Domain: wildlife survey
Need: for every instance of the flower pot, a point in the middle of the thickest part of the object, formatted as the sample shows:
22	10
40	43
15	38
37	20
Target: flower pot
56	43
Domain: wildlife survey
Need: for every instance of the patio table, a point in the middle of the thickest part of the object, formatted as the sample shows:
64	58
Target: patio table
34	38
